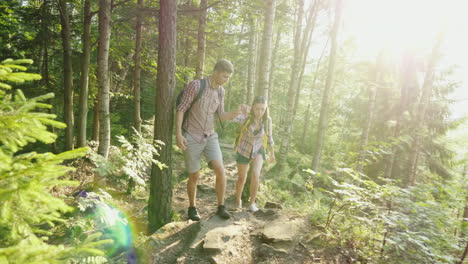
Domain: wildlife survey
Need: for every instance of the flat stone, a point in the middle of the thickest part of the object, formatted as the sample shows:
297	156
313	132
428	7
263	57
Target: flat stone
279	231
266	250
216	239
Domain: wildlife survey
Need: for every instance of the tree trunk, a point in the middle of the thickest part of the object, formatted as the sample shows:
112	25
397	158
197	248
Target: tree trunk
305	46
375	81
159	205
286	119
44	65
309	106
265	50
96	125
271	78
323	119
103	77
247	98
421	111
67	75
84	80
136	78
408	82
187	52
200	70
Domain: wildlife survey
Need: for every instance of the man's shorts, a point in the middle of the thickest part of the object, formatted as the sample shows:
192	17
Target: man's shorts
209	147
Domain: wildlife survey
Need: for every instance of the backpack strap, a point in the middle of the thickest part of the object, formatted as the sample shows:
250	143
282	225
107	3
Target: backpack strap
200	91
241	131
199	94
220	94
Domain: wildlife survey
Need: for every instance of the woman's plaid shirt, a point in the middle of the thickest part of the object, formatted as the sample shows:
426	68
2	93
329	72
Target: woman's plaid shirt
250	144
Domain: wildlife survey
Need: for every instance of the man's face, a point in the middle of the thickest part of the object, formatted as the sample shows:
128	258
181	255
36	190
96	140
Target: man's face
221	77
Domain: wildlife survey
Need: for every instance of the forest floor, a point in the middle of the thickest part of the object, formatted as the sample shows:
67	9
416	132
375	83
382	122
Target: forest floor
270	235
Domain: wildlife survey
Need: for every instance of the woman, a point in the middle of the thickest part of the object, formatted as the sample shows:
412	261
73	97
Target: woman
251	143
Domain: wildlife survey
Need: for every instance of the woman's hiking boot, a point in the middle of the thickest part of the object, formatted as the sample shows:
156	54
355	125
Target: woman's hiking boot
253	208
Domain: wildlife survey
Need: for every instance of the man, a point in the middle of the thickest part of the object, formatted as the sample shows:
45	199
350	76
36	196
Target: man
196	135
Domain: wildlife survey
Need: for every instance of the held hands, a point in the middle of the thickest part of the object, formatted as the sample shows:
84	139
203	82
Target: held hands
243	109
181	142
271	158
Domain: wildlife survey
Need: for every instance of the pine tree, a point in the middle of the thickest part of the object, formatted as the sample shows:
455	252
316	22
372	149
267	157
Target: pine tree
27	208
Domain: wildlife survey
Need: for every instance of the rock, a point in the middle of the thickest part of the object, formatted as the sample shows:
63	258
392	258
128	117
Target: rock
266	214
280	231
273	205
216	239
266	250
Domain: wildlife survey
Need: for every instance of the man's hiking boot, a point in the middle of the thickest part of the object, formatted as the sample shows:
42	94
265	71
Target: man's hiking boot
222	212
193	214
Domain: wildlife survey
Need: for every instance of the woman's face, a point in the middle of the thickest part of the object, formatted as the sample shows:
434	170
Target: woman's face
259	110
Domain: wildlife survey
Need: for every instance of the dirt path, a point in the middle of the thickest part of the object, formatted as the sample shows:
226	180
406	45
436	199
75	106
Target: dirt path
267	236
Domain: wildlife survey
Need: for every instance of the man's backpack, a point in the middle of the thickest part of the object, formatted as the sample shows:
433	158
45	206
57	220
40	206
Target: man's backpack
199	94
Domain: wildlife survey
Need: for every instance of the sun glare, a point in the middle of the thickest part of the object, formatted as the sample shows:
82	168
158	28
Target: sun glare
398	25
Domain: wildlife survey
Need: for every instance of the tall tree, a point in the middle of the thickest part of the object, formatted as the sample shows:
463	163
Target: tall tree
251	67
323	119
309	105
137	72
103	76
265	50
201	50
67	75
408	82
84	79
159	212
293	82
373	84
421	111
271	78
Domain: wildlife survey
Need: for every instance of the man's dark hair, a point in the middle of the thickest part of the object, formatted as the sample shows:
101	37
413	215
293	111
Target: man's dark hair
223	65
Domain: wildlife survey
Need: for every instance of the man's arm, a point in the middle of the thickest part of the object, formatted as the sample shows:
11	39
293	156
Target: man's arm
181	141
229	115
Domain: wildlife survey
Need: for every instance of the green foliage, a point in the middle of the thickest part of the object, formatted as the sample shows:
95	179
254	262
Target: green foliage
133	159
27	180
415	225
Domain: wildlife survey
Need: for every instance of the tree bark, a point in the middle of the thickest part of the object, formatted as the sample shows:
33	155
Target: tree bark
103	76
67	75
271	78
137	73
323	119
200	70
251	68
96	125
84	80
159	205
265	50
375	81
421	111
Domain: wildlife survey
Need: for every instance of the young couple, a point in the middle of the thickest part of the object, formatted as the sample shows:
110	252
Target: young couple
195	136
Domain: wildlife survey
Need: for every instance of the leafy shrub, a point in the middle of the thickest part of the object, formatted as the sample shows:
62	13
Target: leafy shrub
130	163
